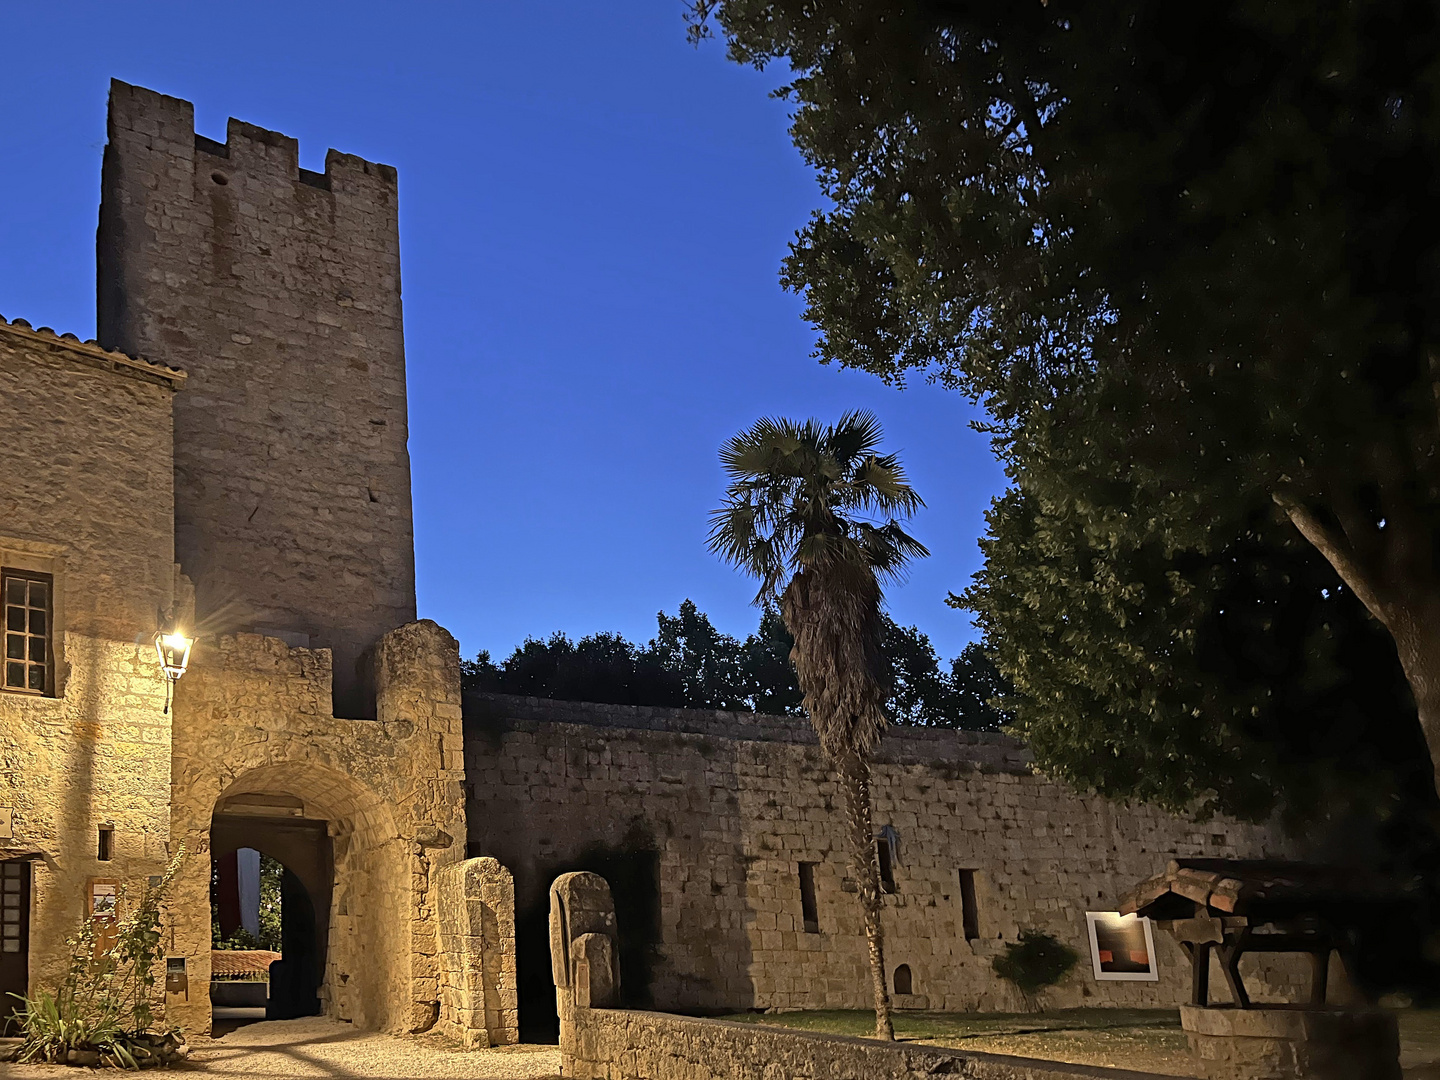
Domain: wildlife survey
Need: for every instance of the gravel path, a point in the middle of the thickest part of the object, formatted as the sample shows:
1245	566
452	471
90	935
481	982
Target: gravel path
317	1047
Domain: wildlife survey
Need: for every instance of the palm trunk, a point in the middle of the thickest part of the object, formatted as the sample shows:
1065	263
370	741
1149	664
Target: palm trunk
855	780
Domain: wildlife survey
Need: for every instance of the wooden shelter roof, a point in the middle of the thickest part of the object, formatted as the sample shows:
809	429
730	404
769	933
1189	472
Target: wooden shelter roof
1253	887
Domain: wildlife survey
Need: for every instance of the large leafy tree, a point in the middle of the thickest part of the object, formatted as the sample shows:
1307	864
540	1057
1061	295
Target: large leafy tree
711	665
1188	260
1246	679
814	513
598	667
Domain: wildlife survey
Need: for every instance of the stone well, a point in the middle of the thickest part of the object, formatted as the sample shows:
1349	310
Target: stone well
1293	1042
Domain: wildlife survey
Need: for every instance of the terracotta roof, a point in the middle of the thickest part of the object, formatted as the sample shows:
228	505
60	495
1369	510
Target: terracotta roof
93	350
241	961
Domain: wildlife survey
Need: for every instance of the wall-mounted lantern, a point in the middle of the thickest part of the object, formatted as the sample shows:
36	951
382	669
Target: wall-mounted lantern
172	647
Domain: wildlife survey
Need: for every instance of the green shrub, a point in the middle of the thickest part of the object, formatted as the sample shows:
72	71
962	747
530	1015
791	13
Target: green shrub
1035	961
102	1011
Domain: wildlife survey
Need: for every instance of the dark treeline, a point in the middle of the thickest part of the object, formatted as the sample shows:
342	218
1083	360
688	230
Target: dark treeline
690	664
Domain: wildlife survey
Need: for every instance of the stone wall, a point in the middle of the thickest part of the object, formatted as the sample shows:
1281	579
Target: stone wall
278	290
86	498
728	806
600	1042
619	1044
475	911
252	719
87	491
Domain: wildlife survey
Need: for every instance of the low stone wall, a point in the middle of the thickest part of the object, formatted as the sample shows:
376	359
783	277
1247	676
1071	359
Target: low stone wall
619	1044
475	908
601	1042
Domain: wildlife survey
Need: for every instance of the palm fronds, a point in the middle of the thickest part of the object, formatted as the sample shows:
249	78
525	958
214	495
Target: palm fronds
801	496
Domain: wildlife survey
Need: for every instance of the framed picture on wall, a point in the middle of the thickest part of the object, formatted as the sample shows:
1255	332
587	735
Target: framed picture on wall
1122	947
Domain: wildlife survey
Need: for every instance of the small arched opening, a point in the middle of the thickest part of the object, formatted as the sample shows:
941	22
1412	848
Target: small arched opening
904	982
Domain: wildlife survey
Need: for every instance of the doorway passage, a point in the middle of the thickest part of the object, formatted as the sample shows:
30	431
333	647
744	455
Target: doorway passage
260	859
14	938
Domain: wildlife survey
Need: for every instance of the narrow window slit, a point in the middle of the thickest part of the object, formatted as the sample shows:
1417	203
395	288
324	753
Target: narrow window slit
809	912
969	913
887	865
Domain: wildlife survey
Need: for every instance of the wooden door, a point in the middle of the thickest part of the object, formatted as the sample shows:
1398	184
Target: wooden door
14	937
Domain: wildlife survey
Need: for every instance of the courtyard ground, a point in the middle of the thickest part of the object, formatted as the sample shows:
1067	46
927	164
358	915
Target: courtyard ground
317	1047
1144	1040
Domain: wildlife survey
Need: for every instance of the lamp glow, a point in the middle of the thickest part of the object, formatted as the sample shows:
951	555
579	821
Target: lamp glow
173	649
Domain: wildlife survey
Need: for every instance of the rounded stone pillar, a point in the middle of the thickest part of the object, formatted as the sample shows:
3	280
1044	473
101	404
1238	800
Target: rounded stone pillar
1293	1042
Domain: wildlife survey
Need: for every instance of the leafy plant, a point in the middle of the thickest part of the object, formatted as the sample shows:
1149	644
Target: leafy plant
1035	961
102	1010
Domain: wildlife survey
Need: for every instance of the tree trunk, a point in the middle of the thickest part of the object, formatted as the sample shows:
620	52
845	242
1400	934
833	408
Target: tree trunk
855	781
1401	597
1417	642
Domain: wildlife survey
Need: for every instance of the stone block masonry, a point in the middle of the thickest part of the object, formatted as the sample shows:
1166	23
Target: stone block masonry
85	500
475	911
727	806
600	1042
616	1044
252	718
278	290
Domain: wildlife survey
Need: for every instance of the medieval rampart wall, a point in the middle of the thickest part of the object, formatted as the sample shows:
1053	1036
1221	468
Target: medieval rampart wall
85	499
278	290
731	804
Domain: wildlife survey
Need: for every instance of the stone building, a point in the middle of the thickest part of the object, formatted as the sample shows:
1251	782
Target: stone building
230	458
267	514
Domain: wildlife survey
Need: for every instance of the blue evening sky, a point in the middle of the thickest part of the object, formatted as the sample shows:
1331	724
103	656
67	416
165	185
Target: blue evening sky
592	217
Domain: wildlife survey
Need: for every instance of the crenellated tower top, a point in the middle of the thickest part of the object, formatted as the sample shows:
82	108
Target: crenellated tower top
278	290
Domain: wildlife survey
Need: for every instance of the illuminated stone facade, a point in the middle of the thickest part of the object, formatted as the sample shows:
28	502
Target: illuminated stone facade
268	513
250	479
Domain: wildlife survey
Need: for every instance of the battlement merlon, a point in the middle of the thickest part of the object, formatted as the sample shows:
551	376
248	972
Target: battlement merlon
167	125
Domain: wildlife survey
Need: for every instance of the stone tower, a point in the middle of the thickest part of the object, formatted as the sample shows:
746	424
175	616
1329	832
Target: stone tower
278	290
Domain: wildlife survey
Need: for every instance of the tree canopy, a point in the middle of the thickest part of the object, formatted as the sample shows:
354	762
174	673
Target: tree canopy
1188	264
690	664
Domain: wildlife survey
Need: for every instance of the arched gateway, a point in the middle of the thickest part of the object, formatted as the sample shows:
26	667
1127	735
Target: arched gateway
369	815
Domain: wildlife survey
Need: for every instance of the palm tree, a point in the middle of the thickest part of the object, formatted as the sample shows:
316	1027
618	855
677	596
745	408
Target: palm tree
811	511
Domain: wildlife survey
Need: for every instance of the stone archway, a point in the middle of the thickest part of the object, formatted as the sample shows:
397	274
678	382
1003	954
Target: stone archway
362	959
301	846
252	719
